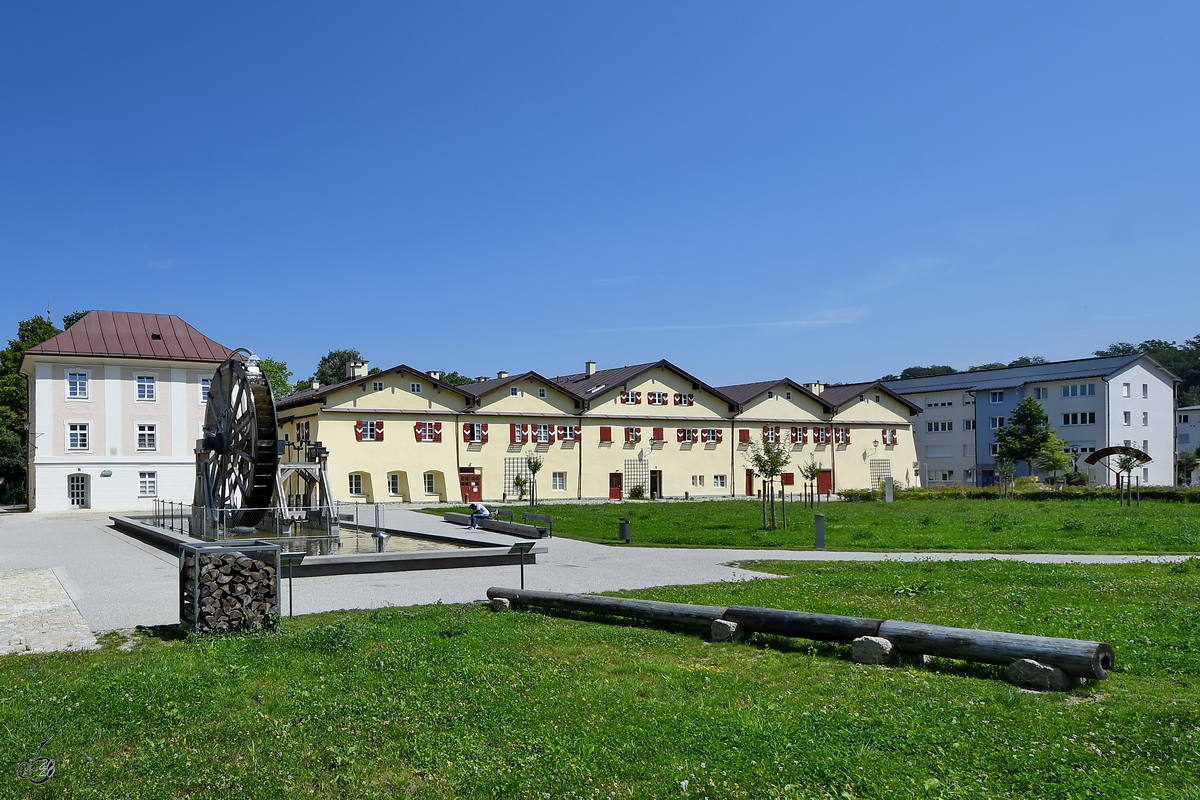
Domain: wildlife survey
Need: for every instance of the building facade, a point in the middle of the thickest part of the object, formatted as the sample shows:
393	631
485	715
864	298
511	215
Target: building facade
1091	403
402	434
116	403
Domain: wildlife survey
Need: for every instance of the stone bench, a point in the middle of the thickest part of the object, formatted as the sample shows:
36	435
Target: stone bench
499	525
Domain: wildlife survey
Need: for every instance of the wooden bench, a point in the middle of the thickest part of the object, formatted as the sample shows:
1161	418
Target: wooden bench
499	525
503	513
546	518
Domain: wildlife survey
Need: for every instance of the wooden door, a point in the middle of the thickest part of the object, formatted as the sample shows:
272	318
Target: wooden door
825	482
614	485
470	485
749	483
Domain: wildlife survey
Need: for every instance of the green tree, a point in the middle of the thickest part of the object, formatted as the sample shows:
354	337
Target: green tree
331	368
30	332
1026	361
926	372
73	317
1025	434
768	460
534	465
1188	461
278	375
1051	457
456	378
993	365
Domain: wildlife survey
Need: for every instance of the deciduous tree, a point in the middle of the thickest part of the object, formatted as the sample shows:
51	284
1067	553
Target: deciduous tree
1025	434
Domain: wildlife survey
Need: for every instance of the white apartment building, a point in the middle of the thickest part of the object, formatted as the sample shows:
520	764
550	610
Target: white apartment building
116	403
1092	403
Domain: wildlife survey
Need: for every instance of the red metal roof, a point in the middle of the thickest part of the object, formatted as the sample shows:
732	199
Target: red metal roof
128	334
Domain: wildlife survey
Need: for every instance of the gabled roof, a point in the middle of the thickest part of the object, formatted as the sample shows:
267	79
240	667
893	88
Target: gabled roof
837	395
743	393
129	334
1010	377
601	381
479	389
306	396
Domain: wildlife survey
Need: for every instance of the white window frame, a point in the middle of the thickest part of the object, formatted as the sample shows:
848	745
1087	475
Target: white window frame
79	376
542	434
393	484
1145	391
940	426
513	391
542	392
995	423
427	432
148	484
414	388
1079	418
1041	393
377	386
145	387
205	388
84	429
709	435
369	433
474	433
1127	418
429	481
688	436
968	424
149	430
558	481
1145	418
356	484
718	481
996	397
995	448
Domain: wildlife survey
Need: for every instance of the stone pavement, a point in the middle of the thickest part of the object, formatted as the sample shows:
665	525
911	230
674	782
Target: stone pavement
119	582
38	616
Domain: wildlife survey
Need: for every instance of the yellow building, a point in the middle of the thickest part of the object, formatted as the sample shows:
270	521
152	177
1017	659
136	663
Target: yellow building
653	429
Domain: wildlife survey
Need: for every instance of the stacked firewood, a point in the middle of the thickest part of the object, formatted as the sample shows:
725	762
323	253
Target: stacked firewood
234	592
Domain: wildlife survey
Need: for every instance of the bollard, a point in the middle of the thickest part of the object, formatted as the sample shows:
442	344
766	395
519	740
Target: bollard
623	529
820	531
889	490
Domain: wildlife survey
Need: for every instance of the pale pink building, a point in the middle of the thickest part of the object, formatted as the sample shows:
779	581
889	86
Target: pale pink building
116	404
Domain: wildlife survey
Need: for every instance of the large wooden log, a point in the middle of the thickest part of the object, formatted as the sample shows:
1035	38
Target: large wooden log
653	610
1073	656
802	624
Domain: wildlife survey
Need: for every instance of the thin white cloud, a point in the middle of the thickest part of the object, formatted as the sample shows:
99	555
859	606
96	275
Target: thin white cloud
838	316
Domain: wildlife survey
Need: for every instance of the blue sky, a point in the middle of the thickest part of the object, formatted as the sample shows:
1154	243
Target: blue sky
831	191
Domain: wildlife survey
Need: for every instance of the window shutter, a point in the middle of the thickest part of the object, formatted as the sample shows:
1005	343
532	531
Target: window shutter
886	439
578	431
894	439
659	436
804	435
512	433
678	398
418	429
846	435
605	433
679	434
379	430
637	398
484	427
720	435
550	433
467	432
766	430
637	434
358	426
625	397
695	434
828	433
437	431
744	435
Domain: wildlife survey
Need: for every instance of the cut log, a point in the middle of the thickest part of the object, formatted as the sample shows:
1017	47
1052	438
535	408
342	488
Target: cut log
802	624
1073	656
654	610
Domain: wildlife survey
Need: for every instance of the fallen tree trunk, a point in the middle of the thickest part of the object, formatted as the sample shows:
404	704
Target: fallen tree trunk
802	624
653	610
1073	656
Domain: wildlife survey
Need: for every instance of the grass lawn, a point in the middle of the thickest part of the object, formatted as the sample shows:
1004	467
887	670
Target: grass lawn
992	526
455	701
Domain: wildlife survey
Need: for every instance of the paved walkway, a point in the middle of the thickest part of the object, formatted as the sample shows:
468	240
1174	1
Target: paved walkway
38	616
118	582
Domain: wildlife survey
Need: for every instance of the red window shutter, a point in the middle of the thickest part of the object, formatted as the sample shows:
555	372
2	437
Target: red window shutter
418	429
605	433
886	439
512	433
789	479
637	398
437	431
678	399
695	434
744	435
466	431
828	433
484	426
894	439
846	435
720	435
658	435
679	434
379	430
637	434
578	431
358	428
624	397
550	433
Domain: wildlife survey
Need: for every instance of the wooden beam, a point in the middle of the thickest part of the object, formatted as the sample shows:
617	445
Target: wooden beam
802	624
653	610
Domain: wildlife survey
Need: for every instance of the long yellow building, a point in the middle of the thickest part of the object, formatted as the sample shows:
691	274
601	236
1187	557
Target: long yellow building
403	434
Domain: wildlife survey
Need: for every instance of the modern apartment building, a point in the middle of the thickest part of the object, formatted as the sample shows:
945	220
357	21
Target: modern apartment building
1091	403
116	403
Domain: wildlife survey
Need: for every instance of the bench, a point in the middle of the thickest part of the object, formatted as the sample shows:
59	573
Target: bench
546	518
503	513
499	525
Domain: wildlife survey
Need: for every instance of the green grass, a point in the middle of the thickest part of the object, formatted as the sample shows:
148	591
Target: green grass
455	701
996	526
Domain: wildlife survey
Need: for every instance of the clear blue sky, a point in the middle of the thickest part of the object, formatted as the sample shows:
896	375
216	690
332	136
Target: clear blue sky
830	191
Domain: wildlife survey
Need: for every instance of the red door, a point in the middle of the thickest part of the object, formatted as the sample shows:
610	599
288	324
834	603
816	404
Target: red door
471	487
749	483
825	482
614	486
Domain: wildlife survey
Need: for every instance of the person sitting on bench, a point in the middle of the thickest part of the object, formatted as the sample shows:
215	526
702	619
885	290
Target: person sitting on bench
478	512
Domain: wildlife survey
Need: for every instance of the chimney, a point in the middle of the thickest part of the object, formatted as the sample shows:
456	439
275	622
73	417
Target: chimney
436	374
482	378
589	368
501	375
356	369
313	383
815	388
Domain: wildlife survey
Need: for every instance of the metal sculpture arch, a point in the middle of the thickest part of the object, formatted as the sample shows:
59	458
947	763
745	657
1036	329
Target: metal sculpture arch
237	456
